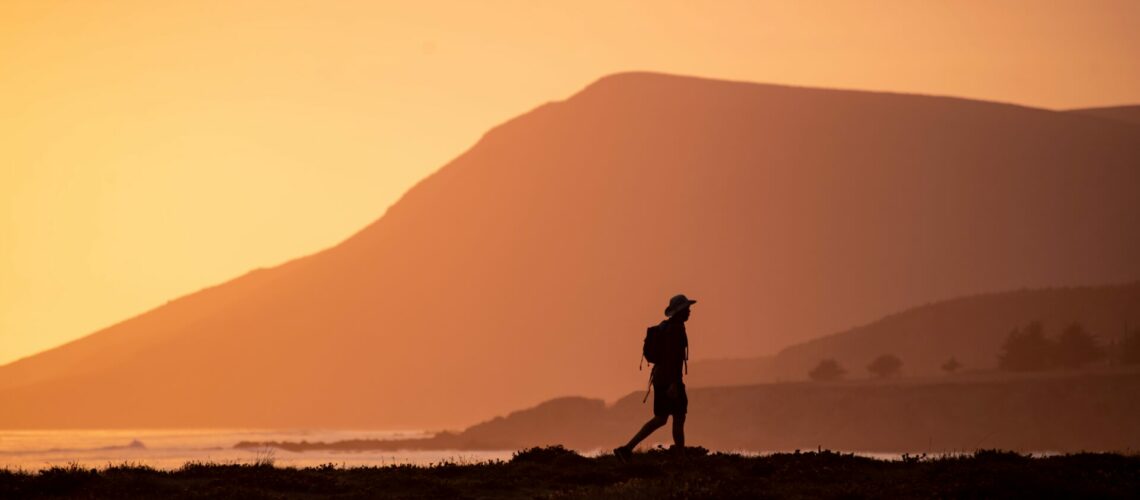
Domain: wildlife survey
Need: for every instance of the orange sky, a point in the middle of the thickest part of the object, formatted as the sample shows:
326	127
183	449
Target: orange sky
149	149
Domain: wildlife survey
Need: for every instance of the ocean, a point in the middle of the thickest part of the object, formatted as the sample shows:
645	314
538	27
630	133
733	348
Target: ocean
170	449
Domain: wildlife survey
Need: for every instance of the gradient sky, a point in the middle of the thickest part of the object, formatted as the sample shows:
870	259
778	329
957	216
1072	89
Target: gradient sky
150	149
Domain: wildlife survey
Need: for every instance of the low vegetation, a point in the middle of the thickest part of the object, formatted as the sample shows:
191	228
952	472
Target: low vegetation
827	370
885	366
557	472
1026	349
1029	349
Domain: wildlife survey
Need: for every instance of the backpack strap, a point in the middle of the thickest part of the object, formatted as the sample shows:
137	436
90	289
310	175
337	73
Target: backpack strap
650	388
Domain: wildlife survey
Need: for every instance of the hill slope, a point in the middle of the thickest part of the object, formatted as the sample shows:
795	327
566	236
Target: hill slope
971	329
1041	412
1129	114
1060	413
529	266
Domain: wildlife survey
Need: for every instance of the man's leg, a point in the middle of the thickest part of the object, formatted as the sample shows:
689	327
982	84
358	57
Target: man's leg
653	424
679	430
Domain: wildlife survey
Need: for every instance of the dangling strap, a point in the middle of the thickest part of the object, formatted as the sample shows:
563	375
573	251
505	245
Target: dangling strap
640	362
650	388
686	362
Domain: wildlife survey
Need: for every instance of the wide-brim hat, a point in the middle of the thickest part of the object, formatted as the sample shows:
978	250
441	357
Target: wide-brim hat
677	304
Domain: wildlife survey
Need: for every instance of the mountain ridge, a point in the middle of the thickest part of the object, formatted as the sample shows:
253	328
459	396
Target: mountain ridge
533	259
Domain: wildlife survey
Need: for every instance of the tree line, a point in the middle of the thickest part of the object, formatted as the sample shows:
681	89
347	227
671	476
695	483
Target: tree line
1026	348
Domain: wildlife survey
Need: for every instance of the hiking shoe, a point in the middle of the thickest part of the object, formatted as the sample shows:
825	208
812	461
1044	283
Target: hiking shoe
623	453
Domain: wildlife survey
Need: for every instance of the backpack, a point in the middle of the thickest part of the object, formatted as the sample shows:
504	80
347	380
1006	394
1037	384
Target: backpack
652	348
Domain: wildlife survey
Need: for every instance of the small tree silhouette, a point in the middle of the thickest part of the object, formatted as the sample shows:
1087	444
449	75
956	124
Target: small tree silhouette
827	370
951	365
1130	348
1027	349
1077	348
886	365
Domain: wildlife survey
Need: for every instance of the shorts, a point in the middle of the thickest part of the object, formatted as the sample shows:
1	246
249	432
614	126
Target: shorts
663	405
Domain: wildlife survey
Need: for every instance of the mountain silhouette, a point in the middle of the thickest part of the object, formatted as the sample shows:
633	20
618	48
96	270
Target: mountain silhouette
1130	114
529	266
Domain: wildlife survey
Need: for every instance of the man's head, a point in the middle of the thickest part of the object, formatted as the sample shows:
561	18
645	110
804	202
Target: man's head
679	307
682	315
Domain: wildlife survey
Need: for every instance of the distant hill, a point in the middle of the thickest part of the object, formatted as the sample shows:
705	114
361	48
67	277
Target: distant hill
1055	412
971	329
1130	114
530	265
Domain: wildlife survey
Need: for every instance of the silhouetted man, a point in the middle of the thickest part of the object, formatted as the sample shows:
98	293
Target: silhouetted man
669	398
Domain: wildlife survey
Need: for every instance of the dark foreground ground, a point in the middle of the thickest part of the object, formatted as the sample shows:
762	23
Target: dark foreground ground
557	473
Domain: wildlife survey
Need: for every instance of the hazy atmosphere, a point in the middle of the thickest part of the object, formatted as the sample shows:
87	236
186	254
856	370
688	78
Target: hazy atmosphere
570	249
150	149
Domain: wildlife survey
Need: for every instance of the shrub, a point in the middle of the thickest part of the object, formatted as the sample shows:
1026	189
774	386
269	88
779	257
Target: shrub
556	454
1077	348
951	365
1027	349
887	365
827	370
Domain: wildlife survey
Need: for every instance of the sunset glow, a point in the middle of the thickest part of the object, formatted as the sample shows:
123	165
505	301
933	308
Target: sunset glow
150	149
